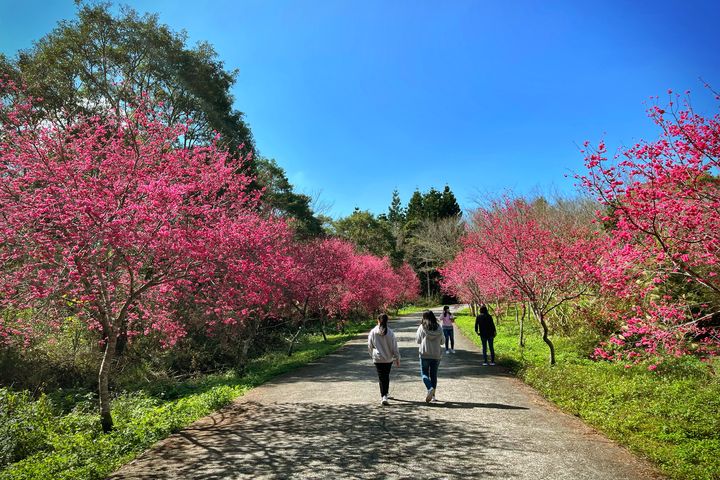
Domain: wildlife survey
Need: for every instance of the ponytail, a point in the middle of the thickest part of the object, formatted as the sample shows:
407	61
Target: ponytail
429	321
382	323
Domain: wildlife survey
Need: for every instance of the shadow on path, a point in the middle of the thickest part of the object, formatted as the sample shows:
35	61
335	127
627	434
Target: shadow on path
302	440
464	405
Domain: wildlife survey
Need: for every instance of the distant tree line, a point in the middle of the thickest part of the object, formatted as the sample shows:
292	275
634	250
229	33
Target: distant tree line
425	233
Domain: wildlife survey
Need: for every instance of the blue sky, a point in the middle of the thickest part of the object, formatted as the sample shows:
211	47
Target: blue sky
356	98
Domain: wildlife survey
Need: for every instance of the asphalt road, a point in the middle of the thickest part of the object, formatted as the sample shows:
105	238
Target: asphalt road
324	421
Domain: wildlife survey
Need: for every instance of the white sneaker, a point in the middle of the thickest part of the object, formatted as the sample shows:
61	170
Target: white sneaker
434	400
452	350
447	351
430	395
485	364
384	400
492	364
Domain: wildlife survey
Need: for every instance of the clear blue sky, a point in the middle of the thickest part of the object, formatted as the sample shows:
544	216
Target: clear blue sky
356	98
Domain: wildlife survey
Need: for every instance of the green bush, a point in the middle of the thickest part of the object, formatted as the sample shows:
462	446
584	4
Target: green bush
24	425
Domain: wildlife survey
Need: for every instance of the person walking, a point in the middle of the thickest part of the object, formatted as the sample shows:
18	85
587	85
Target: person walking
383	349
485	327
430	338
447	321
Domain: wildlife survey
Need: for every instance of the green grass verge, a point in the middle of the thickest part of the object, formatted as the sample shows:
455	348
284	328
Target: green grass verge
411	309
74	447
670	416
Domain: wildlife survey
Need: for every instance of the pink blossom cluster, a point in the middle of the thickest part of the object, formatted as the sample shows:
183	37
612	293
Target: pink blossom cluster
516	252
661	249
110	220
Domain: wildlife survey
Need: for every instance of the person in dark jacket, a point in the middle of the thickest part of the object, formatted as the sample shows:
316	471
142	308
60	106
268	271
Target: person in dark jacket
485	327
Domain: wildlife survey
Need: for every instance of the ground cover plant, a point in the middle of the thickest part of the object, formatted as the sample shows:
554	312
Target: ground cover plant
667	413
59	436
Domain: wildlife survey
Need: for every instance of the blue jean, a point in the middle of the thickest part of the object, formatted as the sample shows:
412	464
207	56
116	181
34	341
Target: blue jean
449	337
488	341
428	372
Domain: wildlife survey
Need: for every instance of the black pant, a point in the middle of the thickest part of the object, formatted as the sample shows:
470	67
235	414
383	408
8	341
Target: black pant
485	342
383	370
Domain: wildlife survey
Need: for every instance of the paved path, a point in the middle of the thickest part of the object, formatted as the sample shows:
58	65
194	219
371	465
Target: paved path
324	421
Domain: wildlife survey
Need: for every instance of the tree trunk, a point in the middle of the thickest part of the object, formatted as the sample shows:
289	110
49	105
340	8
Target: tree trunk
522	325
322	327
294	338
103	383
427	277
545	336
246	344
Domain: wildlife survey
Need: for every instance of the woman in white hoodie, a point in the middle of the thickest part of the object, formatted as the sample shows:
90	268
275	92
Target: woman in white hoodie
430	337
383	349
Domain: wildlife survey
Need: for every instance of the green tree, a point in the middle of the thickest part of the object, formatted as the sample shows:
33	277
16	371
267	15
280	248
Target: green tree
367	232
283	200
100	61
416	207
449	206
424	243
396	212
396	219
433	205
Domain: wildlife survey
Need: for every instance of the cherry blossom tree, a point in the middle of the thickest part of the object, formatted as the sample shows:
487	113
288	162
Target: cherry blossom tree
105	218
318	275
371	285
245	278
540	253
474	280
661	200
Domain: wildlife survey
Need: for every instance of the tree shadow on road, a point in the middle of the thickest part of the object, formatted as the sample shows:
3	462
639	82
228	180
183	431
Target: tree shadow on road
304	440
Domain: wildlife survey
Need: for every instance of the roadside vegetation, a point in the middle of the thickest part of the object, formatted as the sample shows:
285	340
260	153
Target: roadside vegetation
58	436
668	413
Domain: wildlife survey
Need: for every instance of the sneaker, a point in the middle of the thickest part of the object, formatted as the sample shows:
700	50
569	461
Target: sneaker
430	395
434	400
384	400
452	350
492	364
485	364
447	351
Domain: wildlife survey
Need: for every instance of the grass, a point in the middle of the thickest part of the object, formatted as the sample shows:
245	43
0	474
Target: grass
411	309
72	446
671	416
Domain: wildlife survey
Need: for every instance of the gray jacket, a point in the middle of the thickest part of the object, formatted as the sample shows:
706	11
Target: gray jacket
430	342
383	348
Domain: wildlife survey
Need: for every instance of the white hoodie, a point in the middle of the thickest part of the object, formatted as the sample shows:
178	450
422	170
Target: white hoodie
430	342
383	348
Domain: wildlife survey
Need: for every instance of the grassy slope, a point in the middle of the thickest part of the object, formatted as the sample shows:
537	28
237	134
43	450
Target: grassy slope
670	416
76	448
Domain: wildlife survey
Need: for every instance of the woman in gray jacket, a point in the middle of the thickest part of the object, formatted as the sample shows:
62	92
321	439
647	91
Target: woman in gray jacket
383	349
430	337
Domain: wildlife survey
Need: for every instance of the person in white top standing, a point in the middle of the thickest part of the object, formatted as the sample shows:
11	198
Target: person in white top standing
447	321
429	337
383	349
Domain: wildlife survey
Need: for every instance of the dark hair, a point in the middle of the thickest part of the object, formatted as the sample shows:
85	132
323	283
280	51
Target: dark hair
483	310
446	308
429	322
382	321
